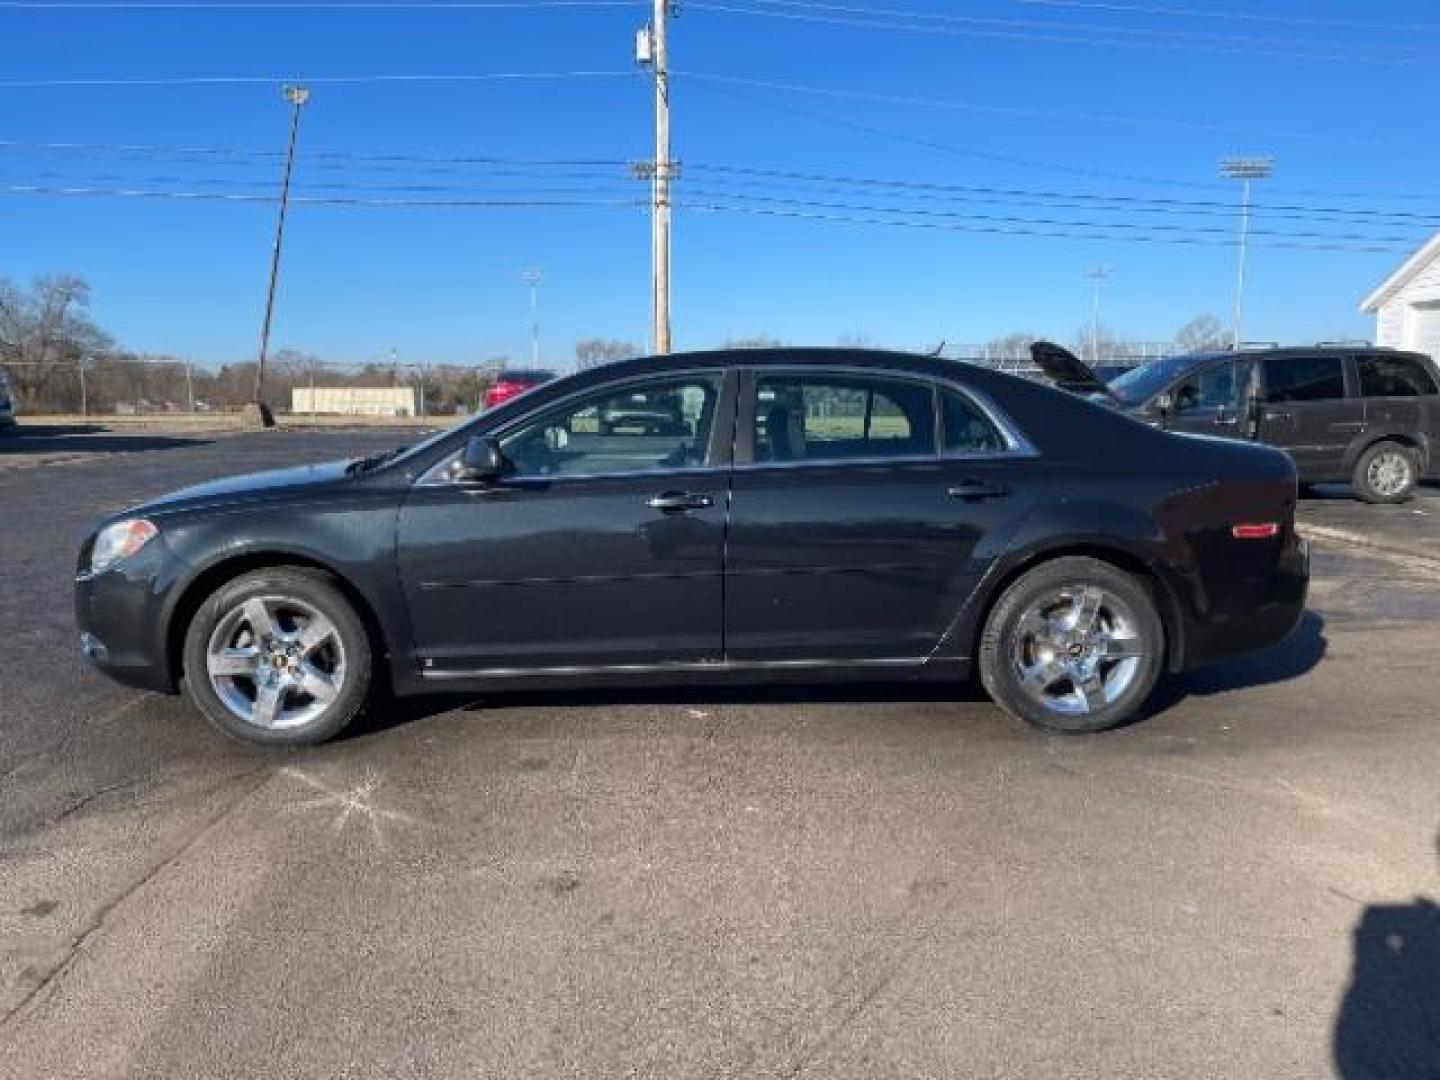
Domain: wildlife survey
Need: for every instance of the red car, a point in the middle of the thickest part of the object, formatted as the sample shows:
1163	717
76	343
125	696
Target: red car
509	384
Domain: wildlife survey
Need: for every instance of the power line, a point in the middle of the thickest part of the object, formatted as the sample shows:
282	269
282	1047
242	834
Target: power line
502	165
1007	110
774	206
852	219
1232	16
304	5
240	197
1121	227
1054	37
222	80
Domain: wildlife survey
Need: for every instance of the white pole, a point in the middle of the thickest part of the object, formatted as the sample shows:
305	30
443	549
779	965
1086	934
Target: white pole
660	190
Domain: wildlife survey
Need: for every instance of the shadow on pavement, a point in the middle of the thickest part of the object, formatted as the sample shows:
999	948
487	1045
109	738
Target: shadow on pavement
1389	1022
86	439
403	711
1297	655
1292	658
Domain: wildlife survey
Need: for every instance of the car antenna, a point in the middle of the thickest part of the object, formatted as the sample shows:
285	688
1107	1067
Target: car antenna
939	350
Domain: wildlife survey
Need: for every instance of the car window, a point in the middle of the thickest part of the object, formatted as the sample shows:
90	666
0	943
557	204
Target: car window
965	428
1141	383
1219	387
637	427
1304	378
1394	376
833	417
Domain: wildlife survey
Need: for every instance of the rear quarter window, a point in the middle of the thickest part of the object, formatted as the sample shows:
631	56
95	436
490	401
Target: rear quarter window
1394	376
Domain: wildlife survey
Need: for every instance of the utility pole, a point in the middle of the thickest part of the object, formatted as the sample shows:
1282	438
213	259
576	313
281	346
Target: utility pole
1098	276
297	96
531	277
1245	170
652	49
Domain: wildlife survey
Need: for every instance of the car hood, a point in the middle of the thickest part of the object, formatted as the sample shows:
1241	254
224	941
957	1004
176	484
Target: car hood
1066	370
249	486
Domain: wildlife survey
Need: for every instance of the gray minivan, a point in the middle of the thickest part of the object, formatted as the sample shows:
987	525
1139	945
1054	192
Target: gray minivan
1364	415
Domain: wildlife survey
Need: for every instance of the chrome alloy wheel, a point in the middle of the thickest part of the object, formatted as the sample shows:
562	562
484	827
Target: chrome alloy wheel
1077	649
275	662
1389	473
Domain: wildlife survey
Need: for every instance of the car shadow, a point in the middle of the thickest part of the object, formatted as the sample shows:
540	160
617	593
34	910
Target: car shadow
401	711
86	439
1292	658
1298	654
1388	1027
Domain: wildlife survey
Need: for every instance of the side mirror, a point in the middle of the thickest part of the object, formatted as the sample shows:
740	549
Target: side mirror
1164	404
481	462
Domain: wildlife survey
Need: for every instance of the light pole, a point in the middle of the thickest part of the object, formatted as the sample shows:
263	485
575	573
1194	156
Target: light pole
297	96
531	277
1245	170
1098	275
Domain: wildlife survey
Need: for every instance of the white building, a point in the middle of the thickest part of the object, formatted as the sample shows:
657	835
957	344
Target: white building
354	400
1406	306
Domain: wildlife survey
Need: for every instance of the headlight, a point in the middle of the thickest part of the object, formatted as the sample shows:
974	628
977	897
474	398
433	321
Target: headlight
120	541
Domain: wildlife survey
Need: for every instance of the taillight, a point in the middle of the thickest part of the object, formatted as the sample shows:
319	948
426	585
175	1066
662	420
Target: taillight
1264	531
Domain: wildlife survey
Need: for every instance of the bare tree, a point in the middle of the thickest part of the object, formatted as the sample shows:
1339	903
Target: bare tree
757	341
1204	333
44	334
592	352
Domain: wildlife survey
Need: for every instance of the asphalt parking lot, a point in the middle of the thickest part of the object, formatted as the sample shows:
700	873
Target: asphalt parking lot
869	882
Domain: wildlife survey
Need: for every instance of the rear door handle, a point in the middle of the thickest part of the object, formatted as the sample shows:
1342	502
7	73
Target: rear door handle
978	489
673	502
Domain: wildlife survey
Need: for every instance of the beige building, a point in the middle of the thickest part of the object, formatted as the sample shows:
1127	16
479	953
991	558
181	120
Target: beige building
1406	305
354	400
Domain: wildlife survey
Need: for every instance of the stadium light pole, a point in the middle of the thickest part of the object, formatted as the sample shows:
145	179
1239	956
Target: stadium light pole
1245	170
531	277
297	96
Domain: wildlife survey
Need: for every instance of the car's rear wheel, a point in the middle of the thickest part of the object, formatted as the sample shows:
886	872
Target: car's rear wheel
278	656
1074	645
1386	473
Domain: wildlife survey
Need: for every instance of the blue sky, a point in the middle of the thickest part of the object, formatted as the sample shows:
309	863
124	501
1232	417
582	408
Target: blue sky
1047	105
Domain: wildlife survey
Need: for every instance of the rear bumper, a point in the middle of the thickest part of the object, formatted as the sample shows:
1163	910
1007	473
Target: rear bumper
1259	613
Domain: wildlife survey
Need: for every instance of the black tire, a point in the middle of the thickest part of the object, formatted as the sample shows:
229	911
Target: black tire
299	588
1386	473
1131	609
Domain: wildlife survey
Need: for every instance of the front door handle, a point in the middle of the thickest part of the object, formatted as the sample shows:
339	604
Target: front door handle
673	502
978	489
1276	414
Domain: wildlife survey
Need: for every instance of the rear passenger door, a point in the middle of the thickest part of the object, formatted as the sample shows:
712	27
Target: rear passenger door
1307	411
864	506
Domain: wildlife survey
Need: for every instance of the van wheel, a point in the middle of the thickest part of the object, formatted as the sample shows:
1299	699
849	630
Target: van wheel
279	657
1074	645
1386	473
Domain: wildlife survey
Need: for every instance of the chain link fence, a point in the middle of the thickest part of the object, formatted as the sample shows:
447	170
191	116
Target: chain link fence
135	386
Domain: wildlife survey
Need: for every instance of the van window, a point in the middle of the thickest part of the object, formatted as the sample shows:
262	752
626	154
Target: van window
1304	378
1219	387
1394	376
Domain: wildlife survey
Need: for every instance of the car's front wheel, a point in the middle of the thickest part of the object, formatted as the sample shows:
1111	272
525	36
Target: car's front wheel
1074	645
278	656
1386	473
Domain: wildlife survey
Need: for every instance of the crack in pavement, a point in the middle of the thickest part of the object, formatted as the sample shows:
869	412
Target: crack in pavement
102	915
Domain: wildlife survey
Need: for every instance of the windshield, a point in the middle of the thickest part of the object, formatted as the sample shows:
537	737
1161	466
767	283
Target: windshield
1140	383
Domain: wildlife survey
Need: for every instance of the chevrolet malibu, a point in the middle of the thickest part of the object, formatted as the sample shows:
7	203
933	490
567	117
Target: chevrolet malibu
804	514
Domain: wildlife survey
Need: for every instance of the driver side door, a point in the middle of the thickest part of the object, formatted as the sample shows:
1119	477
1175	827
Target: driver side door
1214	400
600	548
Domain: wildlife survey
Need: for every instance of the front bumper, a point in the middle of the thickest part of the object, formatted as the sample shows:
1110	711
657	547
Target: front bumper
120	616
